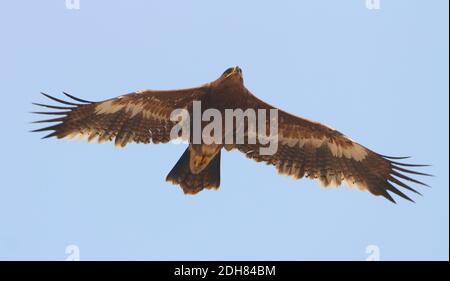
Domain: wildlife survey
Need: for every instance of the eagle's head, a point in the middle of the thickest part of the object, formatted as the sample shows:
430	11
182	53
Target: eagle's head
232	75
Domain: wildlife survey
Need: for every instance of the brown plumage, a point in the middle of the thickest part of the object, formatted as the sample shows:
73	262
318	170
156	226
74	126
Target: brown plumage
305	148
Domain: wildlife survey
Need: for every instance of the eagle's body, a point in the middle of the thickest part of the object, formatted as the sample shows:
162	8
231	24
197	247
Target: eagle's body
305	148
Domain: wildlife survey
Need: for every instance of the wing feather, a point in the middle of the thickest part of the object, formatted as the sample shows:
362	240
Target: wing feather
310	149
140	117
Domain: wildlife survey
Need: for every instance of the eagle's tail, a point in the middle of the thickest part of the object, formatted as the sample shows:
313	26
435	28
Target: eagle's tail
194	183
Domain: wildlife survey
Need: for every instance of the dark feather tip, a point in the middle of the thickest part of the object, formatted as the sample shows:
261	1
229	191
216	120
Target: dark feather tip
394	157
51	113
77	99
410	165
52	106
410	171
59	100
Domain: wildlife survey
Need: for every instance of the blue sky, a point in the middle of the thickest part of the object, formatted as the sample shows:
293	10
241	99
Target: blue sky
379	76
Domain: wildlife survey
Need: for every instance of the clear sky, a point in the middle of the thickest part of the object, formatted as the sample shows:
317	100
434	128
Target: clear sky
379	76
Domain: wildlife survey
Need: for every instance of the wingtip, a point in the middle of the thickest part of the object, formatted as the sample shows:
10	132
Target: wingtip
409	171
394	157
59	100
53	106
54	134
44	137
389	197
76	99
410	165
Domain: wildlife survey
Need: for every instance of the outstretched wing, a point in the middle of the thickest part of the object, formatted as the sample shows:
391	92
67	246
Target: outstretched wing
140	117
313	150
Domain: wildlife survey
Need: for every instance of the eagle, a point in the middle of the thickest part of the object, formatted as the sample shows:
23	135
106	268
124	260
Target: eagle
304	148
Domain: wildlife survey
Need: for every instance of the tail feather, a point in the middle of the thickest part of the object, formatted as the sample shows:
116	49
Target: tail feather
194	183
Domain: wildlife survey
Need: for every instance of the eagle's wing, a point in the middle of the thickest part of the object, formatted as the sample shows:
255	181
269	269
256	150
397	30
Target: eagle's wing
313	150
140	117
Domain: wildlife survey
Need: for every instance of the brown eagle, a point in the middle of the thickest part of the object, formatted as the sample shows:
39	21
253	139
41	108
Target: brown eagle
305	148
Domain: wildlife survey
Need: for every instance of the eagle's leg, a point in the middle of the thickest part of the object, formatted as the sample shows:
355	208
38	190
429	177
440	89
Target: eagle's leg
207	177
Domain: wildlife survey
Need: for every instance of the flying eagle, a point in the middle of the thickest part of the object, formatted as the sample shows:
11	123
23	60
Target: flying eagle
305	148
